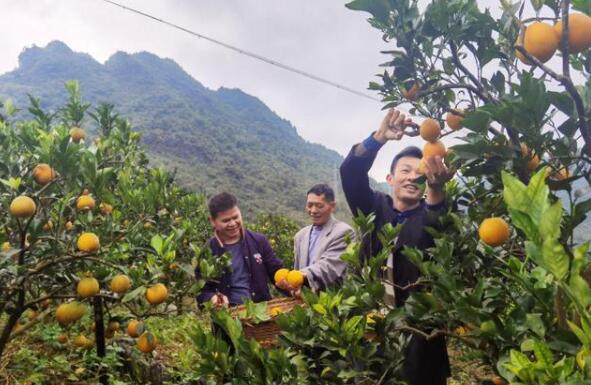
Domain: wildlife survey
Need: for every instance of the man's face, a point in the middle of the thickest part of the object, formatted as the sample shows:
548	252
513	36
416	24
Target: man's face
403	187
319	209
228	223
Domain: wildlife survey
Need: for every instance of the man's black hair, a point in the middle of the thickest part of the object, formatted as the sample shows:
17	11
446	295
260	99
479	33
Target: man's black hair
221	202
322	188
411	151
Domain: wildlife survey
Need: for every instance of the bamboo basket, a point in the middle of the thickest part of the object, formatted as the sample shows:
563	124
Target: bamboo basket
266	332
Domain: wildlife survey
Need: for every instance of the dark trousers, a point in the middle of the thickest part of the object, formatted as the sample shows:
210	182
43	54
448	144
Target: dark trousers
426	361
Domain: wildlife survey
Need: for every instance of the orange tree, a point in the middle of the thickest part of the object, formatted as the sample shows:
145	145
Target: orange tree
509	274
86	223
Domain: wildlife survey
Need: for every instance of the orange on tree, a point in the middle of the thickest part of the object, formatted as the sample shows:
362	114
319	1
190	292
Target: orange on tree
43	173
82	342
579	32
430	130
280	275
120	283
88	287
533	161
454	119
69	312
77	134
494	231
48	226
5	247
295	278
106	208
434	149
147	342
88	242
541	41
22	207
135	328
85	202
156	294
411	93
114	326
69	226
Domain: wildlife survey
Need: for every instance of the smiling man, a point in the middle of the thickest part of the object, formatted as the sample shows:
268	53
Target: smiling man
426	361
319	246
253	260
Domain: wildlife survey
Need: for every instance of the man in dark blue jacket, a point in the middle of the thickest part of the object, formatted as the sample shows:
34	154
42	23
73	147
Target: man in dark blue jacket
426	361
253	260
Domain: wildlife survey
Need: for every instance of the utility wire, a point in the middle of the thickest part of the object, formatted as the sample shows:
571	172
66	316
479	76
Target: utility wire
247	53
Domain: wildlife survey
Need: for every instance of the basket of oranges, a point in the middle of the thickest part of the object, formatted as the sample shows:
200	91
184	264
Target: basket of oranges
258	320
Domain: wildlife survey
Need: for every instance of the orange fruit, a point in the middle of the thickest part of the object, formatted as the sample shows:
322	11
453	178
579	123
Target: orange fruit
88	287
62	338
411	93
5	247
22	207
541	41
88	242
69	312
579	32
280	275
430	130
434	149
533	161
48	226
135	328
85	202
148	225
147	342
454	119
77	134
106	208
156	294
494	231
275	311
82	342
43	173
295	278
120	283
114	326
69	226
497	380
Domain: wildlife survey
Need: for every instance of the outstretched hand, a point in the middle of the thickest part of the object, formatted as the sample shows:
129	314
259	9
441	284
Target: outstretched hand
394	126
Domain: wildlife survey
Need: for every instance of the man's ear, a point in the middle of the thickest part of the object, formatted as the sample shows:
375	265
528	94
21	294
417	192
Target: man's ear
333	206
211	221
390	179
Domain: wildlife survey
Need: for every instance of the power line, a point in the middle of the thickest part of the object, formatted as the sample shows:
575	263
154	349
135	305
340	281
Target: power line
246	53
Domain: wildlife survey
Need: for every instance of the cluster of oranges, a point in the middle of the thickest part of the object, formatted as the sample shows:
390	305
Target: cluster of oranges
430	131
294	278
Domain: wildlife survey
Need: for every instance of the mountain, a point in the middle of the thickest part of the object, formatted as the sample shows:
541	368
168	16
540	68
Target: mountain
214	140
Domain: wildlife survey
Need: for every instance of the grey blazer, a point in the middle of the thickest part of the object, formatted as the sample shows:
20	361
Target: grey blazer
328	268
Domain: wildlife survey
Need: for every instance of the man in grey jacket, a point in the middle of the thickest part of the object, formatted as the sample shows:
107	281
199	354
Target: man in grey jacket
319	246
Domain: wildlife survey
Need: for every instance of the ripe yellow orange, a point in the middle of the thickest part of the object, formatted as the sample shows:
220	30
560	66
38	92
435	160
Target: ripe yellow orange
69	312
88	242
430	130
88	287
69	226
6	247
77	134
532	161
579	32
43	173
22	207
295	278
280	275
275	311
120	283
48	226
82	342
85	202
147	342
454	119
135	328
156	294
106	208
494	231
541	41
411	93
434	149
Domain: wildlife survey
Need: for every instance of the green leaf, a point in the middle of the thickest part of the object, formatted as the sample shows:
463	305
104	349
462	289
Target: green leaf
514	192
580	289
584	338
477	121
562	101
550	221
555	258
379	9
534	323
543	354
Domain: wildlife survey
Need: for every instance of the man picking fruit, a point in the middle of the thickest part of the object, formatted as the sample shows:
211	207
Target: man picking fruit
253	260
426	361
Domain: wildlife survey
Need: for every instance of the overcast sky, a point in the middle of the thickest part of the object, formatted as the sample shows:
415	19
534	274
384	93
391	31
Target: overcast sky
318	36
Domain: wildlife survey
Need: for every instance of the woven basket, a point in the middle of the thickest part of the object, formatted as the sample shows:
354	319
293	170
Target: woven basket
266	332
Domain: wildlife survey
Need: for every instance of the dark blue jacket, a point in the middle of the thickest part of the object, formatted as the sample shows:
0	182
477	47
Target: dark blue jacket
261	264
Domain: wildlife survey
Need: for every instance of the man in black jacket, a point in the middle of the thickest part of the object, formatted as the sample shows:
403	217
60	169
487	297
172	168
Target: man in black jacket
426	361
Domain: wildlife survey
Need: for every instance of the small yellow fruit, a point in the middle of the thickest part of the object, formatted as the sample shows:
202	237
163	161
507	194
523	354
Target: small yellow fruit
494	231
22	207
434	149
156	294
6	247
579	32
148	225
135	328
454	119
295	278
85	202
62	338
88	242
120	283
77	134
32	315
88	287
82	342
430	130
114	326
147	342
106	208
69	226
48	226
275	311
411	93
43	173
69	312
280	275
533	161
